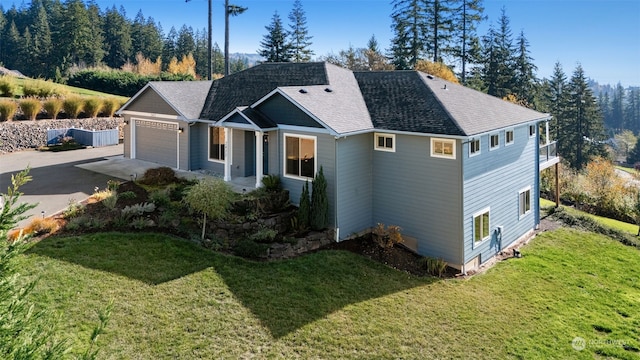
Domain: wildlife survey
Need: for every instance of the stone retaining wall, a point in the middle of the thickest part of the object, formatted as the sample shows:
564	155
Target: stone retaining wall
25	134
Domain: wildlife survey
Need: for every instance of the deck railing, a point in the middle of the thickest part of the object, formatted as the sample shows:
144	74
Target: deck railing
548	154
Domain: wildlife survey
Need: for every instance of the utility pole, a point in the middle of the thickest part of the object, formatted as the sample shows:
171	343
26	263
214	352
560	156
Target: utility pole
209	40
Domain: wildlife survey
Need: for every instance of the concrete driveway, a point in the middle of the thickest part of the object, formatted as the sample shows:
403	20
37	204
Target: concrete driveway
57	177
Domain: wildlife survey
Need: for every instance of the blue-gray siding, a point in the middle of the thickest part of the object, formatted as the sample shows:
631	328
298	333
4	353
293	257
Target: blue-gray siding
354	185
493	179
285	113
326	157
150	102
200	152
421	194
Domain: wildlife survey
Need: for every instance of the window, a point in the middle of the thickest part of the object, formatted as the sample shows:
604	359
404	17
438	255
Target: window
385	142
495	141
481	226
300	153
524	201
508	137
443	148
474	147
216	144
532	130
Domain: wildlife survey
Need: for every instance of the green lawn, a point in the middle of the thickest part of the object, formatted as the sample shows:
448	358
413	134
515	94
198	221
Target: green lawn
611	223
174	299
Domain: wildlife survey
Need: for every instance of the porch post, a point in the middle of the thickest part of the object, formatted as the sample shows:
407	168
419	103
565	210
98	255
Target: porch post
228	133
259	152
546	128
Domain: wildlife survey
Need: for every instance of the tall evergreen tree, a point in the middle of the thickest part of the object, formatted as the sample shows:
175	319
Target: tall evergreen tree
117	38
13	43
617	108
170	45
275	47
498	69
146	36
584	129
42	42
79	38
185	43
465	43
409	24
632	111
556	99
299	34
525	80
439	16
3	23
229	10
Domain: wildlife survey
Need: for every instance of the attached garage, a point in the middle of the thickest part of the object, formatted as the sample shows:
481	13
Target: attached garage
156	141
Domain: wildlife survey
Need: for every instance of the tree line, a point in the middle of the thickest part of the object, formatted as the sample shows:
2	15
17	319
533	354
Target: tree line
48	38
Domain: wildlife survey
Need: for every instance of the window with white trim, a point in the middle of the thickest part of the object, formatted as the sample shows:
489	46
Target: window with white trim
524	201
216	143
508	136
300	156
443	148
474	147
481	226
532	130
494	140
385	142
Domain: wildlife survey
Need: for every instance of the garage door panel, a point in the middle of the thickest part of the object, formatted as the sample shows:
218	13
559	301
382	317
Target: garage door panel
157	142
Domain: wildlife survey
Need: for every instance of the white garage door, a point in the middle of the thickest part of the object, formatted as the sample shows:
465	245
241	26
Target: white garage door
157	141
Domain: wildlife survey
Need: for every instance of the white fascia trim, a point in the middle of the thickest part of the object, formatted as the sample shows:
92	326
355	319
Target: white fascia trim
535	121
154	115
238	110
304	129
296	104
397	132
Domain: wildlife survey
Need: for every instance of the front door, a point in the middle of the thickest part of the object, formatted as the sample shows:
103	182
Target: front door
249	153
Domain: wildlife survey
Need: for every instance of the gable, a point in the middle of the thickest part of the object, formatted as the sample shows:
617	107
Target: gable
151	102
283	112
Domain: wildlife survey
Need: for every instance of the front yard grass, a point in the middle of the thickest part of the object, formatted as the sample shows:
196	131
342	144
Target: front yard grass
174	299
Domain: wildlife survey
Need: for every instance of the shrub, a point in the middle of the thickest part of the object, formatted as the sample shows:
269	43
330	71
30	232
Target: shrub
387	237
92	106
304	210
110	105
434	266
8	109
169	218
251	249
140	223
113	184
101	195
117	82
42	88
211	197
110	201
30	107
159	176
319	202
73	106
127	195
73	210
264	235
137	210
39	226
53	106
272	183
86	222
160	197
8	86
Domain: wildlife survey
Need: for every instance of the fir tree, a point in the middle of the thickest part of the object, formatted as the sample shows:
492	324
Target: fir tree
465	42
319	202
439	16
230	10
185	44
275	46
525	80
409	24
304	210
299	34
117	38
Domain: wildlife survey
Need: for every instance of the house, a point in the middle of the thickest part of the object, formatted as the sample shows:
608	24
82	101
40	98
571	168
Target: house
456	169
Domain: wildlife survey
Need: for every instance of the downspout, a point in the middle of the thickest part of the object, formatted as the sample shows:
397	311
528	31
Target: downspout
335	181
461	227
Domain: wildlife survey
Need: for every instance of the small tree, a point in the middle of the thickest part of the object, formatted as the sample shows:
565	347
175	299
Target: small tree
636	211
304	211
211	197
319	202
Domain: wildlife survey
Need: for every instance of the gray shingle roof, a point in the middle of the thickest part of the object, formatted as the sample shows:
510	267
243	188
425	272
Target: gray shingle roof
248	86
476	112
187	97
339	105
400	101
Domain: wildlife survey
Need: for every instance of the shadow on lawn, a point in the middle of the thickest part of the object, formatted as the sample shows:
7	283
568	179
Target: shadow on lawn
283	295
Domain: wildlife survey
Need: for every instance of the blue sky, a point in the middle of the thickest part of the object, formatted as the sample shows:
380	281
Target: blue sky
602	35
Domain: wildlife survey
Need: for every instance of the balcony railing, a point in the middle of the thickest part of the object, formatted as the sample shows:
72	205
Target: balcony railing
548	155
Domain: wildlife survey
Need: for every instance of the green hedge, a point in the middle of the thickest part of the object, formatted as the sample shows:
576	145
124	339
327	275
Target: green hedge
118	82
